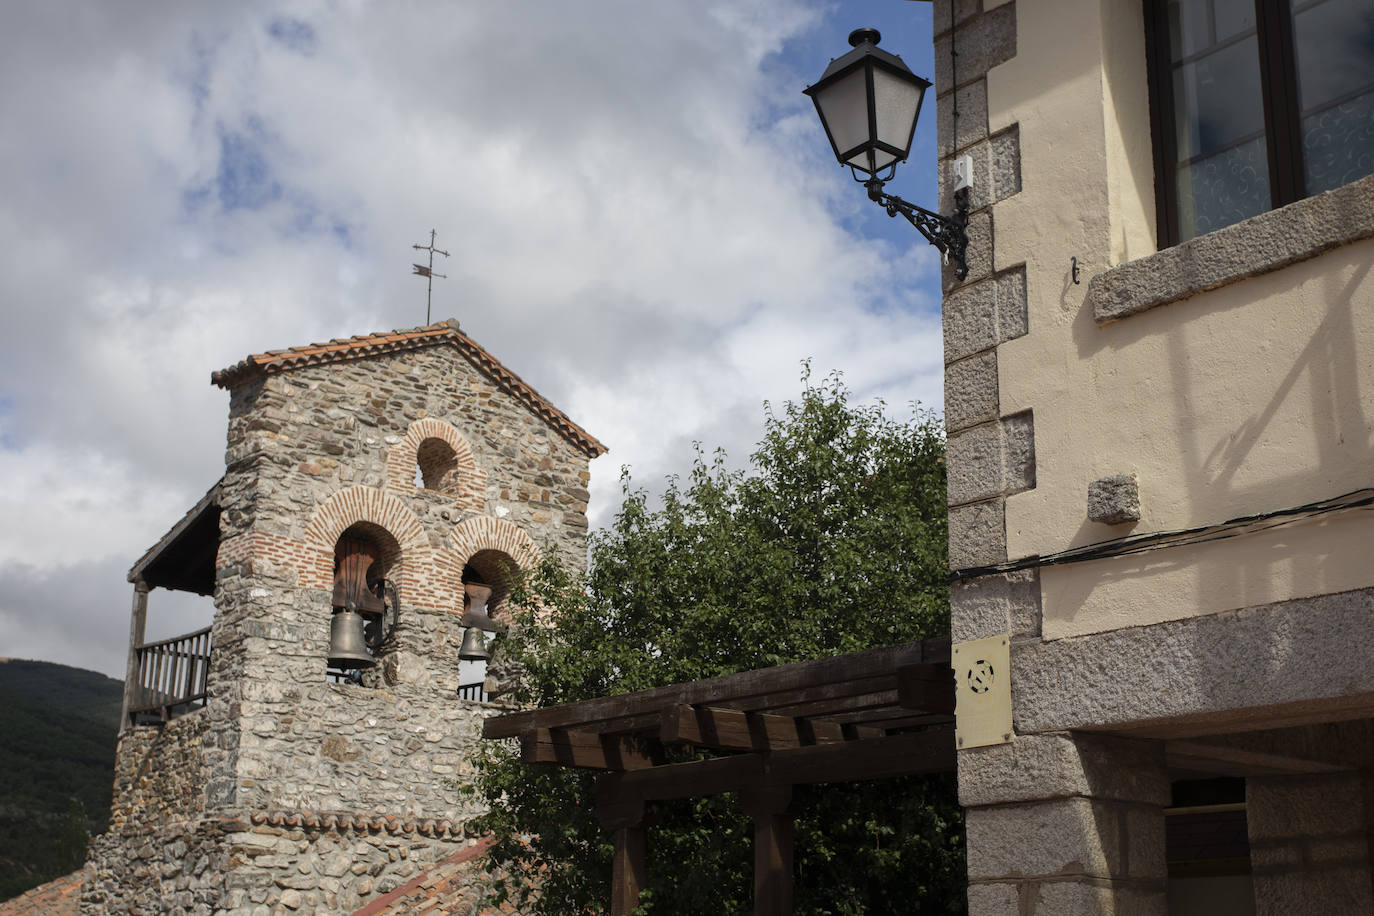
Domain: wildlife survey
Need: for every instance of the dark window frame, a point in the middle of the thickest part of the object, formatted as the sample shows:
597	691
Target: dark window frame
1279	92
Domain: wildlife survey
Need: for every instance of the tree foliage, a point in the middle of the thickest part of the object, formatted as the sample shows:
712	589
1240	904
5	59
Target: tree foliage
833	540
60	725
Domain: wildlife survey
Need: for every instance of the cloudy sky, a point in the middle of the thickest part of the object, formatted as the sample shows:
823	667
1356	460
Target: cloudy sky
643	216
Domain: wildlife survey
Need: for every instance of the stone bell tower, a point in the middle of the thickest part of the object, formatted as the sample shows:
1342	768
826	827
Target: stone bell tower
307	752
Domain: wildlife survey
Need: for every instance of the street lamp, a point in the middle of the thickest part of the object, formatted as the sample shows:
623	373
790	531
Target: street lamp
868	102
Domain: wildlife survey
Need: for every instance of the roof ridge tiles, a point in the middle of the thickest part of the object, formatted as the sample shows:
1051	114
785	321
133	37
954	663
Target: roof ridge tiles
363	345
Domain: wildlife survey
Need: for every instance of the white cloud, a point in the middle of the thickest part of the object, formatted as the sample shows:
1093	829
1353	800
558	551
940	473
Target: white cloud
641	220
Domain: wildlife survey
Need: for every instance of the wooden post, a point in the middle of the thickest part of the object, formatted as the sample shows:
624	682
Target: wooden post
627	869
623	812
137	622
770	808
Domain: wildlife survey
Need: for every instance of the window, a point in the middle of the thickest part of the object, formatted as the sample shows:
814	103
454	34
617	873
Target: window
436	465
1256	104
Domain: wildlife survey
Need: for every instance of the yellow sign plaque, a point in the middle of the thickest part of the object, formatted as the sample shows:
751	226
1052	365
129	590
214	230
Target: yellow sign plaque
982	691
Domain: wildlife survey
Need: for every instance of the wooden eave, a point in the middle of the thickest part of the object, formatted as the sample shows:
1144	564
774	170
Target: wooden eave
865	715
183	559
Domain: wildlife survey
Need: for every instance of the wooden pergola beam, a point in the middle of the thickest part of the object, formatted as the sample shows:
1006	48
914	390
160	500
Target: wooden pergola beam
697	779
843	703
930	751
822	721
733	730
587	750
928	688
825	678
890	720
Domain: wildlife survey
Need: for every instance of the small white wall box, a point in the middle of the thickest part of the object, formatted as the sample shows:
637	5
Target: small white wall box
963	172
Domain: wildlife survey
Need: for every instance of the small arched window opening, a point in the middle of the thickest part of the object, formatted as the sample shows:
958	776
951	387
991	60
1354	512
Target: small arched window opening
365	603
495	569
436	466
487	580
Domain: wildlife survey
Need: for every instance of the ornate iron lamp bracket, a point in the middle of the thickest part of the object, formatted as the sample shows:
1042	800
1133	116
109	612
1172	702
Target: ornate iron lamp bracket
949	234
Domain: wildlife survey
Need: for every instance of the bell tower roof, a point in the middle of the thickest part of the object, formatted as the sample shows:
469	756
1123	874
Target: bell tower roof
443	334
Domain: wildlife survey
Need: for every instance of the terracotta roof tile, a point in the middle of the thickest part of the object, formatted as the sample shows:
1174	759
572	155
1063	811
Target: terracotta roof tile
452	887
445	333
61	897
389	823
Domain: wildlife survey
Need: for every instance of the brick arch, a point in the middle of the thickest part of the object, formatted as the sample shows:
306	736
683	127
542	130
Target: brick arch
487	533
492	539
468	488
350	506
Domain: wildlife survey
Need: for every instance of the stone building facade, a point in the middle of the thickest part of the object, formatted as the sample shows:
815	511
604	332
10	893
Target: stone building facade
1159	443
285	789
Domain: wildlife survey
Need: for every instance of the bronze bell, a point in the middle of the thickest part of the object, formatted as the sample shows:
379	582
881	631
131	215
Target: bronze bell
347	644
474	647
475	619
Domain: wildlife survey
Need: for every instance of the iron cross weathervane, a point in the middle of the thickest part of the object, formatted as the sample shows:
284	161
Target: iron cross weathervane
428	271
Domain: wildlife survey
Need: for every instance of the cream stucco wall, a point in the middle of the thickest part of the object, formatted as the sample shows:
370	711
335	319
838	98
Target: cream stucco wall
1247	398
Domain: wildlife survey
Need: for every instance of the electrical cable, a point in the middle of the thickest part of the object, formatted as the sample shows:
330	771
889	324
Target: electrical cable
1182	537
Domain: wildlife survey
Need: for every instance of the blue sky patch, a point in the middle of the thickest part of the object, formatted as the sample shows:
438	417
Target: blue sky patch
295	34
244	180
7	440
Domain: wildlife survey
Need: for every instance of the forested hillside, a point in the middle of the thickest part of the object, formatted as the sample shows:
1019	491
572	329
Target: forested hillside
57	753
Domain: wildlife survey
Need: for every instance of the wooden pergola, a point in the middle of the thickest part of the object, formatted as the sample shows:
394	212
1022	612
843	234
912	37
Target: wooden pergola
873	714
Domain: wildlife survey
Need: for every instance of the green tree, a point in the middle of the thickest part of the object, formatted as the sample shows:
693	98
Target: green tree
833	540
71	837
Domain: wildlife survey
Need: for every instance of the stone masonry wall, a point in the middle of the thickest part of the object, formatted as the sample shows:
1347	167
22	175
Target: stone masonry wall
309	432
149	859
259	866
1309	848
990	456
158	777
394	749
307	869
175	870
306	449
315	796
1056	824
1060	820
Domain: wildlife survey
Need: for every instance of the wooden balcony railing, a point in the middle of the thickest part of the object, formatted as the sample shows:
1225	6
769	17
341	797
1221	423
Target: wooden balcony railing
474	691
171	675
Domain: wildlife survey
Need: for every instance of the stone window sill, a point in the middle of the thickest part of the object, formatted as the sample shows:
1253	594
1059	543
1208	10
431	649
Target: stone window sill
1264	243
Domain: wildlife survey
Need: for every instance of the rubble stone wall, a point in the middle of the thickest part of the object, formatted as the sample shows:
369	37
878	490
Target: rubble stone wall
153	855
158	775
290	792
260	865
177	869
305	870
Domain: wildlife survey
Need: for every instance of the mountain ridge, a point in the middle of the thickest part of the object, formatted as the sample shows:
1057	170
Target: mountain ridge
60	725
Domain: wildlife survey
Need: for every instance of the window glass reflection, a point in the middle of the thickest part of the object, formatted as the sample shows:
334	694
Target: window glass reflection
1218	101
1233	18
1216	191
1221	158
1189	27
1334	48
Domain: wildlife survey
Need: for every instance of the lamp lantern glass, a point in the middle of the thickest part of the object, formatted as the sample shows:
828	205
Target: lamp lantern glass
868	102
